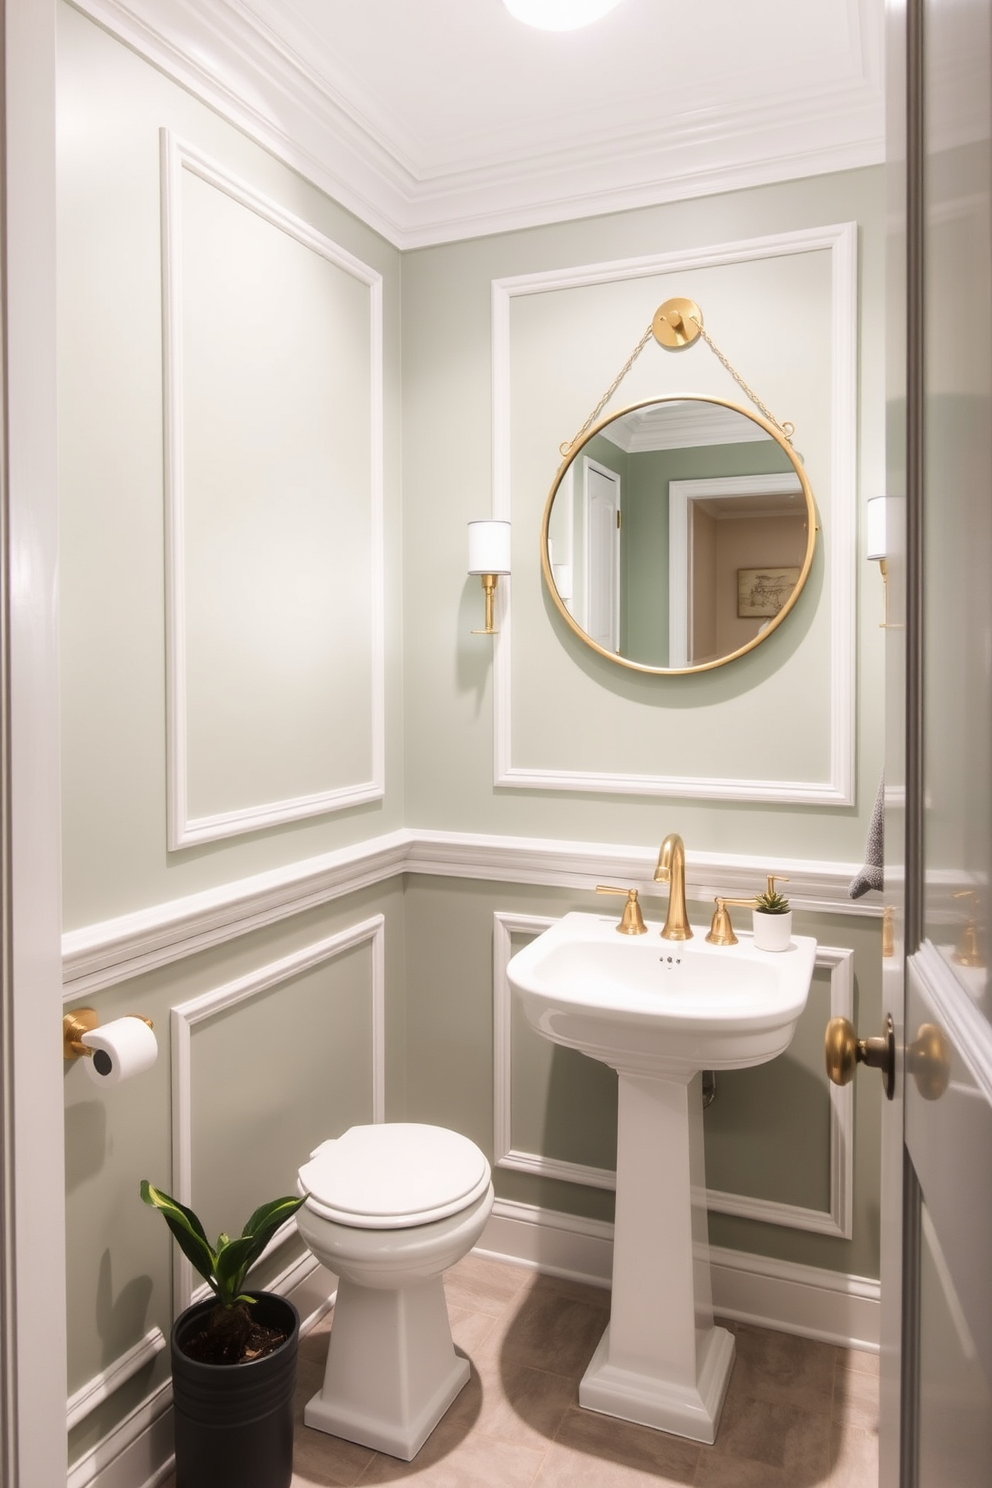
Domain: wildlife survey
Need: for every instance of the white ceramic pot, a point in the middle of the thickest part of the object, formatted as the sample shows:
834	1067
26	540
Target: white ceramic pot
772	932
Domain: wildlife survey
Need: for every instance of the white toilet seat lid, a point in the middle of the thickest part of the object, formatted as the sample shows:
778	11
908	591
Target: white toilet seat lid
394	1175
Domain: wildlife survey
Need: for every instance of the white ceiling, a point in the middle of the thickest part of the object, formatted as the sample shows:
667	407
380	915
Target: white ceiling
441	119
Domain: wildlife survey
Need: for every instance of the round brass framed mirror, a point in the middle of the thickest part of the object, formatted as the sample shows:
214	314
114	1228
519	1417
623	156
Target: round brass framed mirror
678	534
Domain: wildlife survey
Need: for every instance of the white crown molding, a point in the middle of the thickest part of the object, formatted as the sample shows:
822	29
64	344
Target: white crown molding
273	101
103	954
273	95
186	1016
184	831
805	1300
664	425
840	240
836	1220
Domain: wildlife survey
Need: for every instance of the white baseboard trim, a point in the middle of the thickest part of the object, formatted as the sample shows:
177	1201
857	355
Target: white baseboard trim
139	1450
806	1300
111	951
549	1241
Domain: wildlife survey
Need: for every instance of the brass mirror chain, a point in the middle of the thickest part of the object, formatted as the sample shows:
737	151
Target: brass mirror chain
786	429
563	449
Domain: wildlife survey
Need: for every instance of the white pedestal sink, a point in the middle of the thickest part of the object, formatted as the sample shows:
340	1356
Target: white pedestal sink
660	1012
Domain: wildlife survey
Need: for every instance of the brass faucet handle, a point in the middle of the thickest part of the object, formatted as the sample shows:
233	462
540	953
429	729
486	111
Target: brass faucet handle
721	930
631	921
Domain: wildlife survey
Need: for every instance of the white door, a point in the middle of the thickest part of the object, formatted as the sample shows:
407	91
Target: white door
602	524
936	1429
32	1205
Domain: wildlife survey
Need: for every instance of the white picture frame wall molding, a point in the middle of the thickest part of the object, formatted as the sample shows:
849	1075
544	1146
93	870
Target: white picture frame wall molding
187	1015
837	788
184	828
836	1220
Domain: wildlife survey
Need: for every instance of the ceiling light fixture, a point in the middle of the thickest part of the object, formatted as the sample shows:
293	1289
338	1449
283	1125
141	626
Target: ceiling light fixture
559	15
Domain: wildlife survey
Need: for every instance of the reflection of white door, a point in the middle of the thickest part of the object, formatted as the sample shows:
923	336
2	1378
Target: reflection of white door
602	524
936	1427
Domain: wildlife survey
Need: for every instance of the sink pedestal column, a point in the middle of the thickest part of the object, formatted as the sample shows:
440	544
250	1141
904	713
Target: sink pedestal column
661	1361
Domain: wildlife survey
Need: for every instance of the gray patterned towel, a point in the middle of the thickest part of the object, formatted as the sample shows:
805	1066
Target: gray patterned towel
870	876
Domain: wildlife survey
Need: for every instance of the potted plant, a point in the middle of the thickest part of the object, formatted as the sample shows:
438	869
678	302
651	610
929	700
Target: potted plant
772	918
233	1358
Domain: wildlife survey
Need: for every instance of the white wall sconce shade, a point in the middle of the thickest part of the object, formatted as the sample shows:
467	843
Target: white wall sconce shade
875	526
559	15
488	557
489	547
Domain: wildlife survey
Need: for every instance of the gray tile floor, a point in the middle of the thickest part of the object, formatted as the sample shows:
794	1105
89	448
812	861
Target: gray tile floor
798	1413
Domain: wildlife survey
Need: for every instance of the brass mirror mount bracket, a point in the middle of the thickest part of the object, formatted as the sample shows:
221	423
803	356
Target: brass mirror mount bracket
80	1021
677	324
631	921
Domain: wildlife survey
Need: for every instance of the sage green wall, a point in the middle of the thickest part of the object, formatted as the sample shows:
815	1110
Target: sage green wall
447	379
111	107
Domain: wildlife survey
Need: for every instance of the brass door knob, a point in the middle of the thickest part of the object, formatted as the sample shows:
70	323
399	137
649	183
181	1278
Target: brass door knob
928	1058
844	1051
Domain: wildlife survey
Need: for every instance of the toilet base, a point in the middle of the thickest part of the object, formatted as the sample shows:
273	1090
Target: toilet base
392	1369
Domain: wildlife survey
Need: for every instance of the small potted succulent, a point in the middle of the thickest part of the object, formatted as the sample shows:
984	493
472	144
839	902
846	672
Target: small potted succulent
772	918
233	1357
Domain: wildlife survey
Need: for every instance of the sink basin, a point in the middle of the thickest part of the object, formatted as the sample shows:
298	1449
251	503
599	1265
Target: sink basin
660	1011
645	1004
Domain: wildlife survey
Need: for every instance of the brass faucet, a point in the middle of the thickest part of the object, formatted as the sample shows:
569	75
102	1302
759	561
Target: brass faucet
671	870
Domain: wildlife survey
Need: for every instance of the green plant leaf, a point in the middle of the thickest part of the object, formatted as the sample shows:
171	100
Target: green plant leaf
232	1263
186	1228
262	1226
224	1268
267	1219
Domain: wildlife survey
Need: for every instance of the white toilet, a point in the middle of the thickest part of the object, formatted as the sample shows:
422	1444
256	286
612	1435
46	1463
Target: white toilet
389	1208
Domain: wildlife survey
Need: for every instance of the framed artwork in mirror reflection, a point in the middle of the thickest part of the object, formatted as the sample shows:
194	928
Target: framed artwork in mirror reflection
761	592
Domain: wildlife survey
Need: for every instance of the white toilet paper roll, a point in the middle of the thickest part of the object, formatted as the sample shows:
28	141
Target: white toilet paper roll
123	1048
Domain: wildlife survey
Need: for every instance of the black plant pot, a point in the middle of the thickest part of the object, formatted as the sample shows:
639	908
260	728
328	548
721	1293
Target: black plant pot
234	1422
